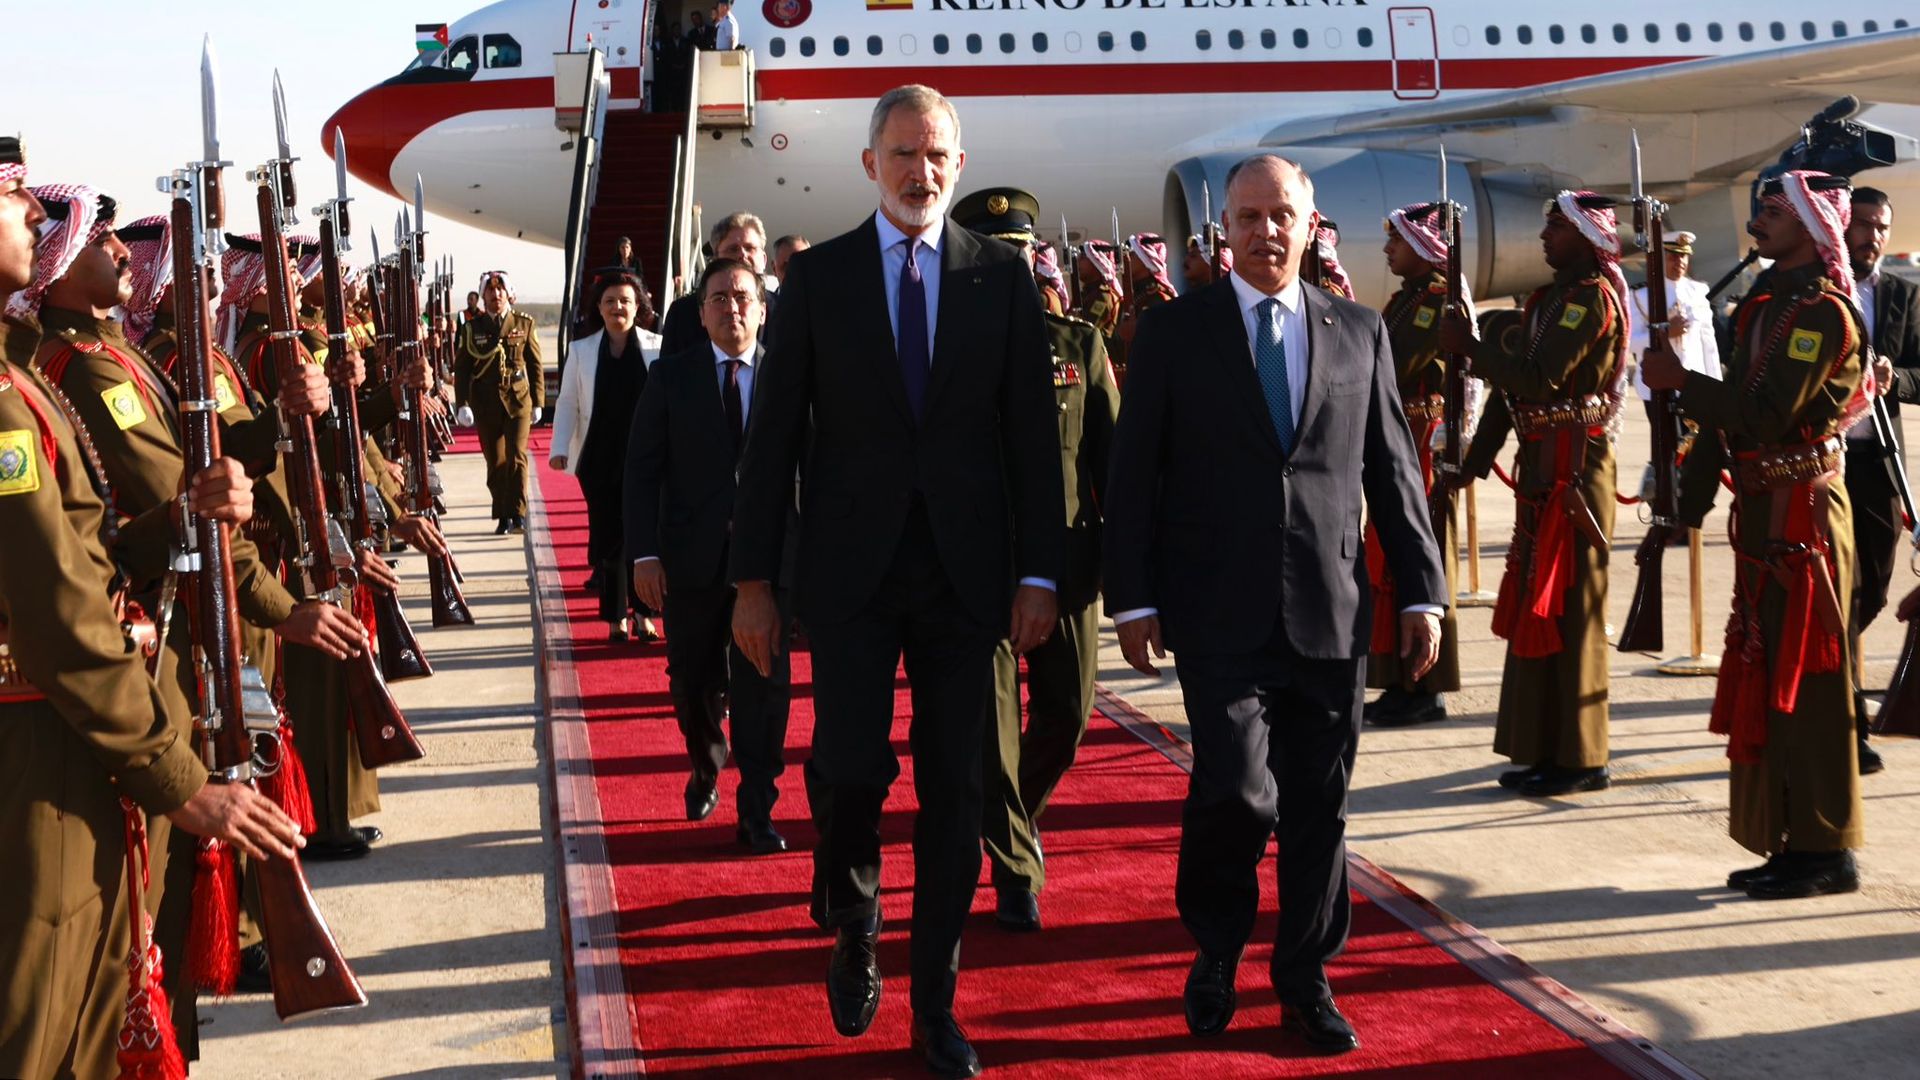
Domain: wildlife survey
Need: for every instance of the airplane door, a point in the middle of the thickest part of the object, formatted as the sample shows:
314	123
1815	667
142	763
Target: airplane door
1416	53
619	29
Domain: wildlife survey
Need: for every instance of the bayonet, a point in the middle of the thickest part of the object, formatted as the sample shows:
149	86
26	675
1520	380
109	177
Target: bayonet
1206	212
210	194
335	209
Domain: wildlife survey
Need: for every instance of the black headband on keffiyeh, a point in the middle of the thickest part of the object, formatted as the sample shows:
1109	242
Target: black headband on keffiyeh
1824	204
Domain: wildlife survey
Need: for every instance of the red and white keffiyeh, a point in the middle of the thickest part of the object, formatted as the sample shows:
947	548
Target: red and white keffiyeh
243	277
1420	224
1824	204
1593	214
150	256
77	216
1326	247
1100	255
1046	270
1151	253
500	276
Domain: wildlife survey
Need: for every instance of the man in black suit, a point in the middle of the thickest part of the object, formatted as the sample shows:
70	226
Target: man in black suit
688	431
1893	320
1257	414
919	354
740	236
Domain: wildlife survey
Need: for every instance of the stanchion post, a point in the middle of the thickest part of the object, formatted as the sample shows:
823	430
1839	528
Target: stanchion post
1699	662
1473	595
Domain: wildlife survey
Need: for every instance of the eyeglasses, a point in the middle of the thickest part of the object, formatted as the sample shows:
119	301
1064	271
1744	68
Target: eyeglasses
731	299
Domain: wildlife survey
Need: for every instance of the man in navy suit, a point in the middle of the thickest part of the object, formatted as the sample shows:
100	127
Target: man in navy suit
1257	416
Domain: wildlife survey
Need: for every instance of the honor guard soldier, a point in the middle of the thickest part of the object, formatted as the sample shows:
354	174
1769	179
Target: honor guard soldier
500	390
1327	271
1047	275
1559	391
1416	250
1795	381
1098	292
1148	285
1022	768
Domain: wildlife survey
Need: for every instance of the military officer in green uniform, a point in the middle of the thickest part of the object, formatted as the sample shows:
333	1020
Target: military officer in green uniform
1794	384
1416	252
1022	768
1559	394
500	389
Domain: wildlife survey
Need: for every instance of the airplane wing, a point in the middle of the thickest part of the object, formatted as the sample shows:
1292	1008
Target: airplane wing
1877	68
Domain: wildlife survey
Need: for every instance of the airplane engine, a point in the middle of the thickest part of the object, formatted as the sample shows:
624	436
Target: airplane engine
1355	189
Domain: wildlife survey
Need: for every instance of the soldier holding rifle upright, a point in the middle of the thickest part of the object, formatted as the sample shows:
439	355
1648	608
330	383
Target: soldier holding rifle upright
1795	381
1559	391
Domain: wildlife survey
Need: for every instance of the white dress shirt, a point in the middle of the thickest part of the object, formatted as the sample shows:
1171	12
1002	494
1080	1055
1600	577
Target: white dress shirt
726	32
1291	316
893	261
1698	348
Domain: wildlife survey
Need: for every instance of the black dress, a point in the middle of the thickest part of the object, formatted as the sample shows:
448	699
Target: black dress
617	383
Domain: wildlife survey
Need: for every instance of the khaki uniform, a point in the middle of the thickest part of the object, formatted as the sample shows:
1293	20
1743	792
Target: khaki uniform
1785	683
1024	768
1100	304
1413	327
102	730
497	372
1553	598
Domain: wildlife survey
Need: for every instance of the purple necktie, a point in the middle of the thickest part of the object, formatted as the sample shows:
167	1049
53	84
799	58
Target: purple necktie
912	346
736	408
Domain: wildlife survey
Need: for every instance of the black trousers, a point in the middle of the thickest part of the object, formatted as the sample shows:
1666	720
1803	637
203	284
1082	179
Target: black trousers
1876	539
708	678
949	660
1274	736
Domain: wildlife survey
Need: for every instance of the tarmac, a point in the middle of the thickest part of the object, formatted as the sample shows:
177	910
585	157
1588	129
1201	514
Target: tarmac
452	926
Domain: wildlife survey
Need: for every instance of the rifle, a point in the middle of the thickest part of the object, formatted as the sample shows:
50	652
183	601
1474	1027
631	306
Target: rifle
1900	710
1211	234
449	606
400	654
1069	267
309	973
1644	630
1454	411
324	558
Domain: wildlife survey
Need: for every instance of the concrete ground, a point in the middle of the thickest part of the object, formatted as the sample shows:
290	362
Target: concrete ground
1620	894
450	923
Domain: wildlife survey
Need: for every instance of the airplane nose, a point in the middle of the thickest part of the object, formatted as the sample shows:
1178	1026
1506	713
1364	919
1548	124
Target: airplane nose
377	125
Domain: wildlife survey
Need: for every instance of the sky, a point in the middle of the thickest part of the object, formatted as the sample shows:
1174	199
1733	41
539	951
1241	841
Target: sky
114	101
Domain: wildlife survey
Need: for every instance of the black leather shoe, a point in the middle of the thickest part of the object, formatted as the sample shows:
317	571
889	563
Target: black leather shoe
500	526
702	797
1410	709
1211	997
1513	778
1740	879
370	833
760	838
1821	874
255	974
853	977
937	1038
1017	910
1870	762
1321	1024
1565	782
354	846
1389	700
593	580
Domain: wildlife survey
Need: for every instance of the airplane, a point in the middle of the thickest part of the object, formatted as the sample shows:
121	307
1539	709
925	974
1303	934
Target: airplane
1140	106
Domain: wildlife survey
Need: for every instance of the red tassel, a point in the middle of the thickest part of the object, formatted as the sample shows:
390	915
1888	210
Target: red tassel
214	938
1386	614
146	1048
1506	605
287	786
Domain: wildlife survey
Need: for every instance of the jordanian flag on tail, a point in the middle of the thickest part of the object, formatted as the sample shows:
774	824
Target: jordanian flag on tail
429	37
889	5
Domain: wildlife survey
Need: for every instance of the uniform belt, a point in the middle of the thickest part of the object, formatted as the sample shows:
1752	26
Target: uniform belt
1787	466
1590	410
1427	407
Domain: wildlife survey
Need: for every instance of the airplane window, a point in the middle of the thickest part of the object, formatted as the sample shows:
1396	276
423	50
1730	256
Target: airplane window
1299	39
1587	33
1493	35
1870	27
806	46
1653	32
1073	41
1713	31
1364	36
1203	40
1620	33
1106	41
1778	31
1006	43
973	43
1746	31
464	55
1525	34
907	44
776	46
1268	39
1556	35
1899	24
841	46
1039	43
1333	38
501	51
1809	31
1138	39
1683	32
1839	28
1461	36
940	44
873	45
1236	39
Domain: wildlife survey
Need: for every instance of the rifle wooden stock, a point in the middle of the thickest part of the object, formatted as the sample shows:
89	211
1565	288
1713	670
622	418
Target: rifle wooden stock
371	705
309	974
1900	713
1454	410
379	729
400	654
1645	628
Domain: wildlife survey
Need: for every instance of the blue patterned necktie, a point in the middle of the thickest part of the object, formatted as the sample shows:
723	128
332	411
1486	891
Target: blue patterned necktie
915	364
1270	359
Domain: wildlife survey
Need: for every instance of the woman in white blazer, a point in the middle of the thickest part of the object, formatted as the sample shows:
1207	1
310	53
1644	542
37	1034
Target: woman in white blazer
605	373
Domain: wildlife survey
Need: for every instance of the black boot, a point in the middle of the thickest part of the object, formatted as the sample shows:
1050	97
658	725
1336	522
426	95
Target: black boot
1558	781
1513	778
1740	879
1818	873
1407	710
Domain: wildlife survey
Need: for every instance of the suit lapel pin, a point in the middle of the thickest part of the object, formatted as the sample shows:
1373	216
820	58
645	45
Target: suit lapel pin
1328	319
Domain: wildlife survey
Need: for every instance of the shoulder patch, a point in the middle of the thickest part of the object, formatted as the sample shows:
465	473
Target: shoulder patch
1804	345
123	403
1425	316
223	392
1573	316
19	463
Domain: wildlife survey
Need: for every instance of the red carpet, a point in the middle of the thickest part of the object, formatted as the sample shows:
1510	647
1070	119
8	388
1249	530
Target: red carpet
724	968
